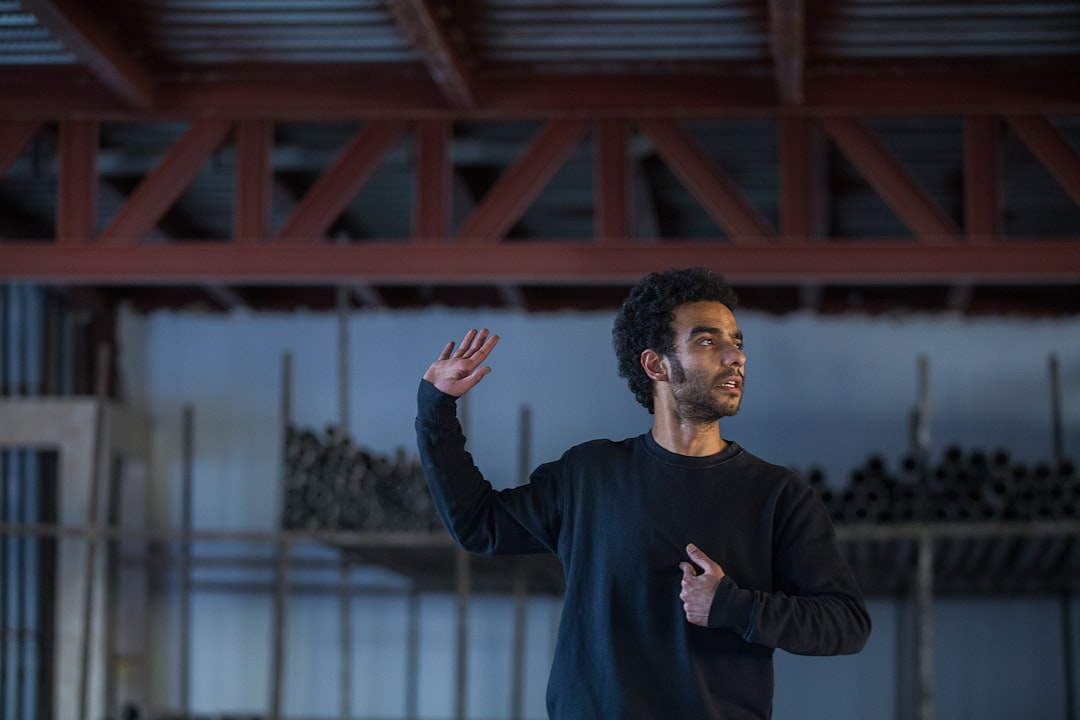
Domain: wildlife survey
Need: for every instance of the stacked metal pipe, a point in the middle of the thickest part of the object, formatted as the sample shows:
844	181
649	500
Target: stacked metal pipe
333	484
960	486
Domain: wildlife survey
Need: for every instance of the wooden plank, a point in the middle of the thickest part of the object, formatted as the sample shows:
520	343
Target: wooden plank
327	199
712	187
522	182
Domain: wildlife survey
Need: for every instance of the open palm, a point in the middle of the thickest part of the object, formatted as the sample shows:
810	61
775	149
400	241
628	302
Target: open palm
458	371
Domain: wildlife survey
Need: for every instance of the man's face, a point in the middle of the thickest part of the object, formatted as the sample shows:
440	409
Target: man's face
708	365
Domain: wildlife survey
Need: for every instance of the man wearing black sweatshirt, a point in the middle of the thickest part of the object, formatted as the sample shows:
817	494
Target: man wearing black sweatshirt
688	560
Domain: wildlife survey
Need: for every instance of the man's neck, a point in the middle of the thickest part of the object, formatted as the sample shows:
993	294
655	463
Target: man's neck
684	438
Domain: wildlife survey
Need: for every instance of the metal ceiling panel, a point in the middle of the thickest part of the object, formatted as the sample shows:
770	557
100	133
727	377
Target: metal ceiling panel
947	29
24	41
181	33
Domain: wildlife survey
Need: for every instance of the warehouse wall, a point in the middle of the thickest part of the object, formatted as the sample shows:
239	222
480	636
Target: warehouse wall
824	392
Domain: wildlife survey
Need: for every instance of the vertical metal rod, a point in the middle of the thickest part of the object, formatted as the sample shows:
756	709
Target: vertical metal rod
277	669
463	575
93	524
345	600
343	417
7	593
343	358
282	566
1055	411
1069	662
412	657
921	437
517	680
186	525
924	620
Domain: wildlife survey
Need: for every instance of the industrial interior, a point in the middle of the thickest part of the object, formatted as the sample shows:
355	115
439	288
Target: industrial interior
233	233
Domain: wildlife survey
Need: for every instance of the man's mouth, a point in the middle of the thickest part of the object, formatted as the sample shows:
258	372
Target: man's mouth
733	383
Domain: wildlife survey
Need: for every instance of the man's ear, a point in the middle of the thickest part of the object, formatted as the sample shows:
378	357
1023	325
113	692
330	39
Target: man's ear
654	365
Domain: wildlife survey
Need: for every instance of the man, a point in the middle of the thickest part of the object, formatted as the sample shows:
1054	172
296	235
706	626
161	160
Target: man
687	559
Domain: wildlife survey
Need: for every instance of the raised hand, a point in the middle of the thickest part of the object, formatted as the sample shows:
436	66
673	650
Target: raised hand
698	590
457	372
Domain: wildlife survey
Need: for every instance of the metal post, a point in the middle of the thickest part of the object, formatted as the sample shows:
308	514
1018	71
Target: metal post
186	526
282	566
1070	663
924	626
412	659
517	679
463	576
345	601
94	526
1055	411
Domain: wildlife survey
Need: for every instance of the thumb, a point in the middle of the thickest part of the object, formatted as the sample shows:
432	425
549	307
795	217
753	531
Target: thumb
703	561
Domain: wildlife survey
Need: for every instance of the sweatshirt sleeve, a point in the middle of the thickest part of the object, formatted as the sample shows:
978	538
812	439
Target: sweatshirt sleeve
817	607
481	519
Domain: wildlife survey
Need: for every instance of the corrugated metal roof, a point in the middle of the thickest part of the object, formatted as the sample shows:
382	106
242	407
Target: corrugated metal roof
178	33
23	41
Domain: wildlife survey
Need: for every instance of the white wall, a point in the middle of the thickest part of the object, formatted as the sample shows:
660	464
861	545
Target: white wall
822	392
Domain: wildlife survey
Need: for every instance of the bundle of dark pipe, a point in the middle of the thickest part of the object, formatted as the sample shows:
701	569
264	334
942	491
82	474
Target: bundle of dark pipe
333	484
960	486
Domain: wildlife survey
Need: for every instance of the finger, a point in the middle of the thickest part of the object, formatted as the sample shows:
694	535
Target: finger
445	354
702	560
688	571
466	343
484	350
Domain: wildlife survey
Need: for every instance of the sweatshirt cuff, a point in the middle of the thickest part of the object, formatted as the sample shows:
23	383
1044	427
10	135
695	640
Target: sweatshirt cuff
434	408
731	608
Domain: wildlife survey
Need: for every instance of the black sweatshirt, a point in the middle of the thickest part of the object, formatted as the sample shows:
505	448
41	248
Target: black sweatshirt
619	515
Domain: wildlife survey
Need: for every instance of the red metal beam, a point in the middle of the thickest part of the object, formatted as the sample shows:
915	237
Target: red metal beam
522	182
254	180
76	202
14	137
982	176
706	181
327	199
338	93
801	189
431	209
1052	149
430	36
97	49
544	263
787	40
896	187
161	188
612	194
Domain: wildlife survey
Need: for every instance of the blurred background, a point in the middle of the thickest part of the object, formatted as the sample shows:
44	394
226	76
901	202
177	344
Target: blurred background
233	235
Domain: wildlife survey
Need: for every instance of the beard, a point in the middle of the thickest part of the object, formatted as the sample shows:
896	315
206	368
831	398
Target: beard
694	397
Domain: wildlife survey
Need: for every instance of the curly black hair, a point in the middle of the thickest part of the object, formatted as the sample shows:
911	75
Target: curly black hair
646	316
